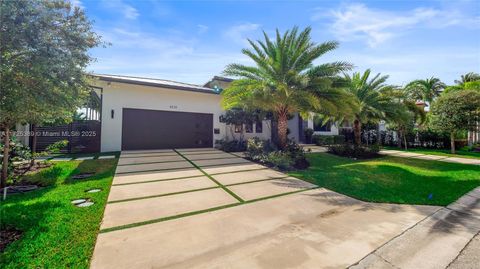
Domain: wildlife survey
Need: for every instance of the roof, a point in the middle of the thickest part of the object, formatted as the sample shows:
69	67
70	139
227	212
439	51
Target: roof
154	82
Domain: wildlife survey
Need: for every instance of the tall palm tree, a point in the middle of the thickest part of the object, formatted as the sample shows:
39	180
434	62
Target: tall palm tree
425	89
371	104
469	77
284	79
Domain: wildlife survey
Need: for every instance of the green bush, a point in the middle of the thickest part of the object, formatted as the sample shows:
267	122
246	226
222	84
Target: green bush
232	145
280	160
264	151
354	151
325	140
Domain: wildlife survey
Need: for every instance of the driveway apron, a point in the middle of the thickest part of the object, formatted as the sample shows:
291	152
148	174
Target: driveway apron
204	208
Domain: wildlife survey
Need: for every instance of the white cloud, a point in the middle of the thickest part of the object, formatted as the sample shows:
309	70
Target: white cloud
202	29
238	33
376	26
126	10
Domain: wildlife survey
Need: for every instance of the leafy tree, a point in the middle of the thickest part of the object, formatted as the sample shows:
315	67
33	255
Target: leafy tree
43	55
456	111
371	105
284	79
240	117
425	90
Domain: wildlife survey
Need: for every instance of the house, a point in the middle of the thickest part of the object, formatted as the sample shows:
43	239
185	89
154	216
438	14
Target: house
146	113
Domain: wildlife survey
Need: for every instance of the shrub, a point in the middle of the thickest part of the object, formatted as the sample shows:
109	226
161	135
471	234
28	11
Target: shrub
324	140
232	145
57	146
354	151
280	160
264	151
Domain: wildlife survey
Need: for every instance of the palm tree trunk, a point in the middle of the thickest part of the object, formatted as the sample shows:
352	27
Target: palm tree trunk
452	142
357	131
379	137
6	145
282	126
399	138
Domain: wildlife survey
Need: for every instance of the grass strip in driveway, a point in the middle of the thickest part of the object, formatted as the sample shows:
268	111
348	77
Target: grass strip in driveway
161	195
156	180
193	213
211	178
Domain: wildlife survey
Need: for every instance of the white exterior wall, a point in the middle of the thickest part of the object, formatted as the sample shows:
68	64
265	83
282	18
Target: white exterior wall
117	96
333	129
264	135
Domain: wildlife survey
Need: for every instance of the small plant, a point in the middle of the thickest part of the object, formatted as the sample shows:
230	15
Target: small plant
355	151
280	160
264	151
57	146
325	140
232	145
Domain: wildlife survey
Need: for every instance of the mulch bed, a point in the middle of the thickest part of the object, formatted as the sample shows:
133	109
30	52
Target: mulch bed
8	236
23	168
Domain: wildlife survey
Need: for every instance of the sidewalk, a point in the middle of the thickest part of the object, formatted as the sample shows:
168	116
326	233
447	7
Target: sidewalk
406	154
449	238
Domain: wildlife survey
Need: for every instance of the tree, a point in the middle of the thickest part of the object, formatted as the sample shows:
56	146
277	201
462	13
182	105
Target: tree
425	90
371	104
43	55
456	111
469	77
284	79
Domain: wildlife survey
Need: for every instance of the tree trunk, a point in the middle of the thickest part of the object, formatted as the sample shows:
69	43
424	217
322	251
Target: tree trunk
452	142
34	143
399	138
357	131
379	137
6	145
282	126
405	140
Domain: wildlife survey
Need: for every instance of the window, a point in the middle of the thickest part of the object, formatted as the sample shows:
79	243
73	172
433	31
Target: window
249	127
259	127
238	128
318	127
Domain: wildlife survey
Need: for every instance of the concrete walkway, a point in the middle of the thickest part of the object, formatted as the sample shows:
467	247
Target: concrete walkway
406	154
203	208
447	238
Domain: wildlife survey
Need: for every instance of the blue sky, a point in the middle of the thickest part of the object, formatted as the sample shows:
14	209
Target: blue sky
191	41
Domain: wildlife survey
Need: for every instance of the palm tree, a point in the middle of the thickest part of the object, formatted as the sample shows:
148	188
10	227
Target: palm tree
284	79
371	104
469	77
425	89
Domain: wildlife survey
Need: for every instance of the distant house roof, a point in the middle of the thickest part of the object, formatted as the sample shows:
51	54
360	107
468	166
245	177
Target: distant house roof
218	81
153	82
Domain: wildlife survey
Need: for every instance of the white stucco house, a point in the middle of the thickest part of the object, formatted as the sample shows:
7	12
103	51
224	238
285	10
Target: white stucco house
145	113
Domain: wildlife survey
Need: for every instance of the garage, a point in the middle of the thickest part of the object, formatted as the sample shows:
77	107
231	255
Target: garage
156	129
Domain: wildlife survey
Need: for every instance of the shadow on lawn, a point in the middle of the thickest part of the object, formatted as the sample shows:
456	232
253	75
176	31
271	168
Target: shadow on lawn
27	218
101	169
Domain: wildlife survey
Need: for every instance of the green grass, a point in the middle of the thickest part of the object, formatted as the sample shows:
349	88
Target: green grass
392	179
442	152
57	234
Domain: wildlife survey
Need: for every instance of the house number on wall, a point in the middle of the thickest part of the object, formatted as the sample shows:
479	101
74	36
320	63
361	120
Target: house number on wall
173	107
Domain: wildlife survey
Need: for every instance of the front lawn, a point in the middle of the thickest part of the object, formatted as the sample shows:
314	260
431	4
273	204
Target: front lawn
442	152
392	179
57	234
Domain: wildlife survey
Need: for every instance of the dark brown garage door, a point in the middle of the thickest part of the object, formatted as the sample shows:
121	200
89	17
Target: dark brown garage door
154	129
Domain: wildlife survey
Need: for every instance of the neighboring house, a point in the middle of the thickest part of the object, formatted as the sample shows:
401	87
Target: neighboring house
145	113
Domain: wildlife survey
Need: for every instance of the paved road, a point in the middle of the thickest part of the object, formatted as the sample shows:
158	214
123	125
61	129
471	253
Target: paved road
203	208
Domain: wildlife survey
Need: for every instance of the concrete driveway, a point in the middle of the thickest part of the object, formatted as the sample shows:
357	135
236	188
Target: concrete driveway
204	208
